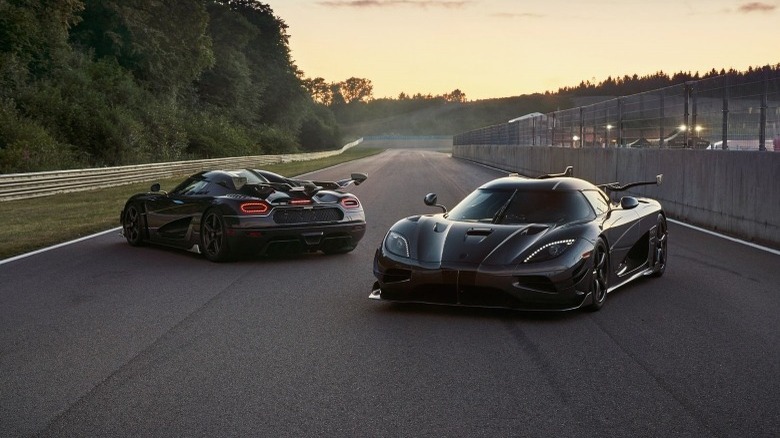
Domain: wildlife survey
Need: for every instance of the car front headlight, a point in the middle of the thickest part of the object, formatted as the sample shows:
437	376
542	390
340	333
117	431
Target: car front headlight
397	244
549	251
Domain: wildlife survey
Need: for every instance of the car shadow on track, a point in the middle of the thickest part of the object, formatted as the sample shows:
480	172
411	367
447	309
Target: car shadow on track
156	250
416	309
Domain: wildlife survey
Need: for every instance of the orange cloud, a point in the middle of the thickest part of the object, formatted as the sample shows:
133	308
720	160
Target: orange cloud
756	7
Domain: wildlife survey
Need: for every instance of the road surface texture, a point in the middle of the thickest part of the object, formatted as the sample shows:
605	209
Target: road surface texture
102	339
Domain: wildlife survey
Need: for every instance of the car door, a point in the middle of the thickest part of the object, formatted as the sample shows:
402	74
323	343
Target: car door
620	226
170	216
623	229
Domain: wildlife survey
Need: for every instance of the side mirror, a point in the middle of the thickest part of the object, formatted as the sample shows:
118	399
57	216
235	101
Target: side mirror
430	200
628	202
359	178
155	187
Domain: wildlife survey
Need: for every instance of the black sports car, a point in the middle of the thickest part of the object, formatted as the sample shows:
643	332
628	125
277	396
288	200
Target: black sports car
221	213
552	243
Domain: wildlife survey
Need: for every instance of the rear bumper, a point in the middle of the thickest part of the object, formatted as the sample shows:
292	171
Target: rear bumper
340	237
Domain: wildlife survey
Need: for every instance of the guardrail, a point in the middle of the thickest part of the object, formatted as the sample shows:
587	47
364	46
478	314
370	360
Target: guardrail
36	184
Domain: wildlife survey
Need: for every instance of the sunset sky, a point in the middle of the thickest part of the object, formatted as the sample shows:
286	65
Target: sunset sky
500	48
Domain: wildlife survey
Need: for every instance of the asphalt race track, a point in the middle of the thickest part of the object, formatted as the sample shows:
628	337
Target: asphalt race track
102	339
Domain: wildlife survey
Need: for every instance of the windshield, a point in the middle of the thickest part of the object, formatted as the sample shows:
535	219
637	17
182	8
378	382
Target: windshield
520	207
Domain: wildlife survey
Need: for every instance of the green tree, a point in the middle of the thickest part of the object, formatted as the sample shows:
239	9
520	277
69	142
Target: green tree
319	90
455	96
231	84
283	96
319	130
356	90
36	32
164	43
108	82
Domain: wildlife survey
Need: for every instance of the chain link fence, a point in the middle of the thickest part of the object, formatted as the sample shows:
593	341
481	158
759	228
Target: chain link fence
706	114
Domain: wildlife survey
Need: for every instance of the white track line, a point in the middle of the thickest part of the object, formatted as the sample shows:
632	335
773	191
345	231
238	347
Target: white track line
712	233
59	245
722	236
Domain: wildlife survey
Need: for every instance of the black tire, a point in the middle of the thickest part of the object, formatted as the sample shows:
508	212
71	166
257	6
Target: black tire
599	283
661	252
213	237
134	224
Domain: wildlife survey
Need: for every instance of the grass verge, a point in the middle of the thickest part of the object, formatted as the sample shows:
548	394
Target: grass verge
30	224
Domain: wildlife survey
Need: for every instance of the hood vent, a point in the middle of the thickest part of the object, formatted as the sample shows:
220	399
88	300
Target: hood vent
533	229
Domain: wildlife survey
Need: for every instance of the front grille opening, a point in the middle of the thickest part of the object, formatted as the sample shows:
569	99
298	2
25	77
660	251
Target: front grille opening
536	282
396	275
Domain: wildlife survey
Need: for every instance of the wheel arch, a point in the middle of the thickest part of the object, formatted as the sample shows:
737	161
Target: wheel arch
137	201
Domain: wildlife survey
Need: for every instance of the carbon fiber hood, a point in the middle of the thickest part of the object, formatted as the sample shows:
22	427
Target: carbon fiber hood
442	241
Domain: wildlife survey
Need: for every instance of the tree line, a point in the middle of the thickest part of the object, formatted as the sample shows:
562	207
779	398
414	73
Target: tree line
627	85
111	82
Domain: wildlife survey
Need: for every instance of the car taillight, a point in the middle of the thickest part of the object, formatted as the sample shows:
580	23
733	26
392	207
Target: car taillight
300	202
350	203
254	208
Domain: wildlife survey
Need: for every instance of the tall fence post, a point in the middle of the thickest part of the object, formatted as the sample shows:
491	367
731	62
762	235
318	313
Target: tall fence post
620	122
661	124
694	115
686	114
725	129
764	104
607	126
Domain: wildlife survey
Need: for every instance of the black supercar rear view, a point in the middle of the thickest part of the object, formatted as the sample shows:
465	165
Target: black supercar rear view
222	213
553	243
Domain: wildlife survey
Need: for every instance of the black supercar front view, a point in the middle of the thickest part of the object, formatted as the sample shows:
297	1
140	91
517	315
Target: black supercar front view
551	243
223	213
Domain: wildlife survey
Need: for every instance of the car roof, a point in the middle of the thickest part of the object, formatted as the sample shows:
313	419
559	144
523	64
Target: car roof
221	175
558	184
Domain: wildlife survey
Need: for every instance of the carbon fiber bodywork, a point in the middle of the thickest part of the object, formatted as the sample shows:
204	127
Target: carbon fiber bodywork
435	259
225	213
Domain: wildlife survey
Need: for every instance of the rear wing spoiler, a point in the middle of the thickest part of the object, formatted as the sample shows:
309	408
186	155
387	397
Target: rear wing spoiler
612	187
298	185
616	187
356	178
312	187
569	172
